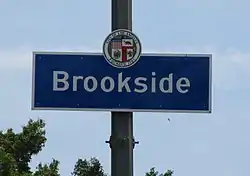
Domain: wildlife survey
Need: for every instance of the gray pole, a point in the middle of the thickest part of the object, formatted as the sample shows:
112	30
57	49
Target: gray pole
121	139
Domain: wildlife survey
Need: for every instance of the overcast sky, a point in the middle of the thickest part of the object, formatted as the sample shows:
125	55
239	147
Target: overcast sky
191	144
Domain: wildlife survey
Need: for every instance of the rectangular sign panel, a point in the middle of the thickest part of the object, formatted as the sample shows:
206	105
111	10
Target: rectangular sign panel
156	83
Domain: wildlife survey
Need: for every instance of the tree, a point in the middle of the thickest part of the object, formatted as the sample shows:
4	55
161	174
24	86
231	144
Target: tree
17	149
153	172
88	168
48	169
7	163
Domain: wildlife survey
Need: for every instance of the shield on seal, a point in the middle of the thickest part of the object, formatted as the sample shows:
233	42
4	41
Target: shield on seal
122	50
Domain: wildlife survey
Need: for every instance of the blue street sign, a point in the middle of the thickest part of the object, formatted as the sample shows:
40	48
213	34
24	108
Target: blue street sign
156	83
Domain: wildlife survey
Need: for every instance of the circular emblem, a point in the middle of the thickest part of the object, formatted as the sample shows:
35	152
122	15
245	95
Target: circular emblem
122	48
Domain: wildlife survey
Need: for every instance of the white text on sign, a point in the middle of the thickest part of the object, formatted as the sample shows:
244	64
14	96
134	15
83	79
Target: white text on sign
122	83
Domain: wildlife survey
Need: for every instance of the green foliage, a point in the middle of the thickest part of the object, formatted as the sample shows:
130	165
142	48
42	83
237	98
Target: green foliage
153	172
48	169
22	146
7	163
17	149
88	168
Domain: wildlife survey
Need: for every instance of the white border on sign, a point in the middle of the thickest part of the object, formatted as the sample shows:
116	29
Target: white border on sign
122	110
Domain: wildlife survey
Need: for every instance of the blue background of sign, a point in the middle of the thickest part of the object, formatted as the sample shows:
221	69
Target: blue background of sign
196	69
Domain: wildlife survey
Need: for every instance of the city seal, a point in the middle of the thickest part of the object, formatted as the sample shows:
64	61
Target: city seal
122	48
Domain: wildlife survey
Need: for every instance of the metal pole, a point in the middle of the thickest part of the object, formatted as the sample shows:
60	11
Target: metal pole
121	14
121	139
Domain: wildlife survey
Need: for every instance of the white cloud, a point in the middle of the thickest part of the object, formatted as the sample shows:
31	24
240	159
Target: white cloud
230	67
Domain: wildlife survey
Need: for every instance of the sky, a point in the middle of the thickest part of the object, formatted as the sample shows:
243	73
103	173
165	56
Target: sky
192	144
